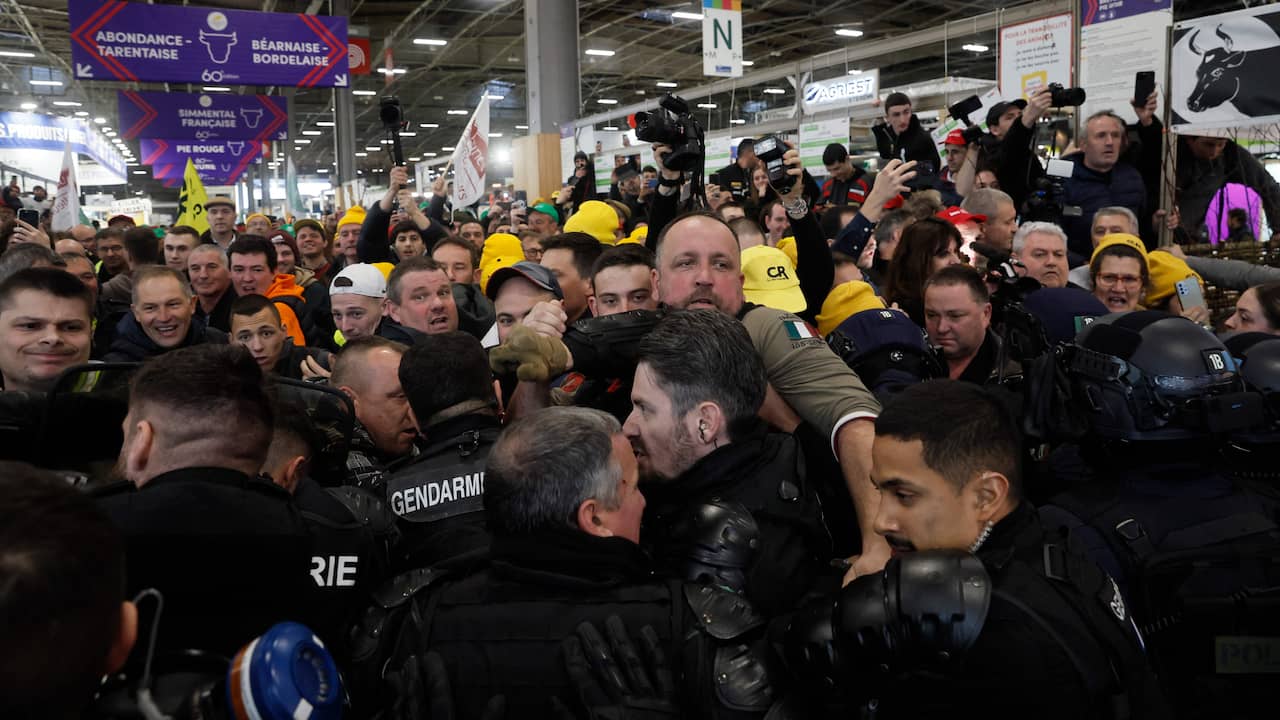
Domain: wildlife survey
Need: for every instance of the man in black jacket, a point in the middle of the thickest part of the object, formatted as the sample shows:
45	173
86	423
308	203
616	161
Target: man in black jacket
735	178
163	318
562	501
698	441
437	497
945	461
228	550
905	139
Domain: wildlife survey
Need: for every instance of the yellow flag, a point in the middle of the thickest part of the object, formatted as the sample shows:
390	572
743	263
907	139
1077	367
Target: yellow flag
192	199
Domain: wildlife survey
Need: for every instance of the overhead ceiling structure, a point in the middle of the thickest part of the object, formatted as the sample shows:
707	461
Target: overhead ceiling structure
468	48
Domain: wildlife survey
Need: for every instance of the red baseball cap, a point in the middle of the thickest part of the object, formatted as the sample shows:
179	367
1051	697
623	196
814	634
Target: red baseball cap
955	137
956	215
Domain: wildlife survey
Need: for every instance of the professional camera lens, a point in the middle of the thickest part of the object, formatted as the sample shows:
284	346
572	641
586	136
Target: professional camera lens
1065	97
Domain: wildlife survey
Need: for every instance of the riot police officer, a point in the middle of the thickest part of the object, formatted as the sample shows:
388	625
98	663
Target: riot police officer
563	504
438	496
228	550
1053	638
1185	543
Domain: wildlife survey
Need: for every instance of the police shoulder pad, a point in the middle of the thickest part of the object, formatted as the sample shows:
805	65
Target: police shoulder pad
721	613
742	679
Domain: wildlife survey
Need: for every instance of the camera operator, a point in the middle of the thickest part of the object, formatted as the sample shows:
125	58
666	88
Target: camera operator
1008	149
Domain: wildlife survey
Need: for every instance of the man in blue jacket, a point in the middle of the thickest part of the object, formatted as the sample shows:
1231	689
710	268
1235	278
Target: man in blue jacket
1100	179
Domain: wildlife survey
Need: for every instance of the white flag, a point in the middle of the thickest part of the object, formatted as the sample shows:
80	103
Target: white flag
66	204
470	158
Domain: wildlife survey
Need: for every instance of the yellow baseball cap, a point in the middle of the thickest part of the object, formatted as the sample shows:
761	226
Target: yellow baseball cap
597	219
354	216
844	301
770	279
1166	270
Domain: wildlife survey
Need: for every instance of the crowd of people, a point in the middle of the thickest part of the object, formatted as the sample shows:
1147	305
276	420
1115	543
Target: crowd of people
944	439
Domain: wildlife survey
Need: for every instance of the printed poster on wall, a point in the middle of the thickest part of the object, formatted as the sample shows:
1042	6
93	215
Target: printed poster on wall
1035	53
137	42
1112	51
814	139
1224	69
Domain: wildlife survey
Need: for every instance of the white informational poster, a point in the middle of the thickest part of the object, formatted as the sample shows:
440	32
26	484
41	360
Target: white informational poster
471	158
1035	53
719	153
722	38
1112	52
1224	71
137	208
814	139
568	148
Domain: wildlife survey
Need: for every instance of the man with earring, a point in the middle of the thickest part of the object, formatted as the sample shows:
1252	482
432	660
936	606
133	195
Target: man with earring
945	461
728	500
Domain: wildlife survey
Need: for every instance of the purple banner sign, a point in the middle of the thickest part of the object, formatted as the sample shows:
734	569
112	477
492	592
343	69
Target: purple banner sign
1096	11
213	158
174	171
172	43
202	116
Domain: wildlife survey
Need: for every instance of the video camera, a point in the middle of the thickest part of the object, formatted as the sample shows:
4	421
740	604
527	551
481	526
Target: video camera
971	133
392	122
1022	333
1046	202
672	124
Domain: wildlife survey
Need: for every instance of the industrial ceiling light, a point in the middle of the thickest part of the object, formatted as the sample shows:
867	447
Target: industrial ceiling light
435	42
684	15
975	47
600	53
848	32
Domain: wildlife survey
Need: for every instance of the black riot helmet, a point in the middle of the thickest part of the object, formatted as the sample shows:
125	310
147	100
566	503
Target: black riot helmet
1152	376
1258	355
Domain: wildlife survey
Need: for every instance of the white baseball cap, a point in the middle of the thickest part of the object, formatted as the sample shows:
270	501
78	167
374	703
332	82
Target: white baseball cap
359	279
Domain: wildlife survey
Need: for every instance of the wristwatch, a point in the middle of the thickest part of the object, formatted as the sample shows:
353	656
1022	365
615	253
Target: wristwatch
796	210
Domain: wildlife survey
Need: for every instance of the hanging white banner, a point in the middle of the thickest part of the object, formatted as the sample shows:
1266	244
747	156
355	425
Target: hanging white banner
66	203
471	158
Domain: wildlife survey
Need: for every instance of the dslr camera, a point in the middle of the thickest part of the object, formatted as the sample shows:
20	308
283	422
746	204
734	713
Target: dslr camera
1065	97
672	124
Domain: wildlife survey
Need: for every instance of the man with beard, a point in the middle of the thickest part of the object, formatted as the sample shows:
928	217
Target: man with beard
706	458
945	463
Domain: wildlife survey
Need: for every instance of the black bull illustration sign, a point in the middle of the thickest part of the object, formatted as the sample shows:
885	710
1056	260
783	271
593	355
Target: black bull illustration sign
1224	67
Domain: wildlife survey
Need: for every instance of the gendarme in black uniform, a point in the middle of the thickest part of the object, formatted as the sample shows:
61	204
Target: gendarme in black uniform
499	629
765	473
438	498
1094	665
230	553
